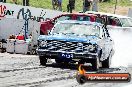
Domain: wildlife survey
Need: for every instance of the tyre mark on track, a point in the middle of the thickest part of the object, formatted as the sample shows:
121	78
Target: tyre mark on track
19	69
49	77
43	80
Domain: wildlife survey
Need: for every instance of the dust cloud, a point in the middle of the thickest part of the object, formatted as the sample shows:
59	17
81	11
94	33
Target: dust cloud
123	47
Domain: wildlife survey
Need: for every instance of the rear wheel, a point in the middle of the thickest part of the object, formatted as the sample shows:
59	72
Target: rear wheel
43	60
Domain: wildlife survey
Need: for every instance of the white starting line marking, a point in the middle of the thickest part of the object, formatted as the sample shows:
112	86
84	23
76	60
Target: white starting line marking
130	85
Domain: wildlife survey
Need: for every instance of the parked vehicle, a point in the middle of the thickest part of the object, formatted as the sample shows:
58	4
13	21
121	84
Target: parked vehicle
48	25
77	41
114	20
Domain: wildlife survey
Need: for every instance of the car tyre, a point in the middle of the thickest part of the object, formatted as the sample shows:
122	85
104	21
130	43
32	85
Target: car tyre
95	64
105	63
43	60
58	61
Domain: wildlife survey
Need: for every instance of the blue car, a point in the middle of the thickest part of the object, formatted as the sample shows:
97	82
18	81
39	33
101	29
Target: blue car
77	41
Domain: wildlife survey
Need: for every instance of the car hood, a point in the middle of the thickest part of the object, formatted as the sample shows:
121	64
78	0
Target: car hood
70	38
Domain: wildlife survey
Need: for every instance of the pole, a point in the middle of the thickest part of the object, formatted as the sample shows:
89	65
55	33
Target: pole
115	7
23	3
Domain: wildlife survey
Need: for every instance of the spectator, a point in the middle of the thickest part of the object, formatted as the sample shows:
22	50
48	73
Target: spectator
71	6
106	0
3	1
55	4
95	5
60	5
86	5
25	2
14	1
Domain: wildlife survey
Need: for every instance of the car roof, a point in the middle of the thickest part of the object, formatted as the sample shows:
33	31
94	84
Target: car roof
70	14
78	14
81	22
108	14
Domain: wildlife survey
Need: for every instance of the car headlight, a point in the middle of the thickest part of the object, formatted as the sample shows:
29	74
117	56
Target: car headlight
91	48
43	43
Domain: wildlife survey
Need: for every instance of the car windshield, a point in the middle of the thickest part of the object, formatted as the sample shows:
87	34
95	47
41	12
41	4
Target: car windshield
77	28
130	20
126	22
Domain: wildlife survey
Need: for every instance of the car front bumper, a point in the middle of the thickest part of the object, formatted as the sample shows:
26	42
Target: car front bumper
54	54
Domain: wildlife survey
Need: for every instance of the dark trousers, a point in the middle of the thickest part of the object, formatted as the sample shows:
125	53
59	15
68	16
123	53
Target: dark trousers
3	1
25	2
69	8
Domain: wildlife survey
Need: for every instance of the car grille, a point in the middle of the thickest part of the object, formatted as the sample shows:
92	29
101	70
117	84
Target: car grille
66	46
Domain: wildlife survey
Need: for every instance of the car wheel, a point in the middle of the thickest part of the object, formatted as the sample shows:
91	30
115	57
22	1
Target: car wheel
106	63
58	61
81	79
43	60
95	64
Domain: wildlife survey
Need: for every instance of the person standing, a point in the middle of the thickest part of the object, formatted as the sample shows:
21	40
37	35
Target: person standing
86	5
55	4
25	2
95	5
71	6
14	1
60	5
3	1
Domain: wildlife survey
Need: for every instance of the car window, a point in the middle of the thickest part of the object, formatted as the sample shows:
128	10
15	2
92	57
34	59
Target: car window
130	19
76	28
83	18
126	22
114	21
99	20
117	21
66	17
109	22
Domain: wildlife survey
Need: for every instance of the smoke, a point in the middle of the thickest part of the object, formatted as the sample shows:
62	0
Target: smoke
123	47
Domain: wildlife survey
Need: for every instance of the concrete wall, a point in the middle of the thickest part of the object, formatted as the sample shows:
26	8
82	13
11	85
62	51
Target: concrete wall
18	11
9	26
